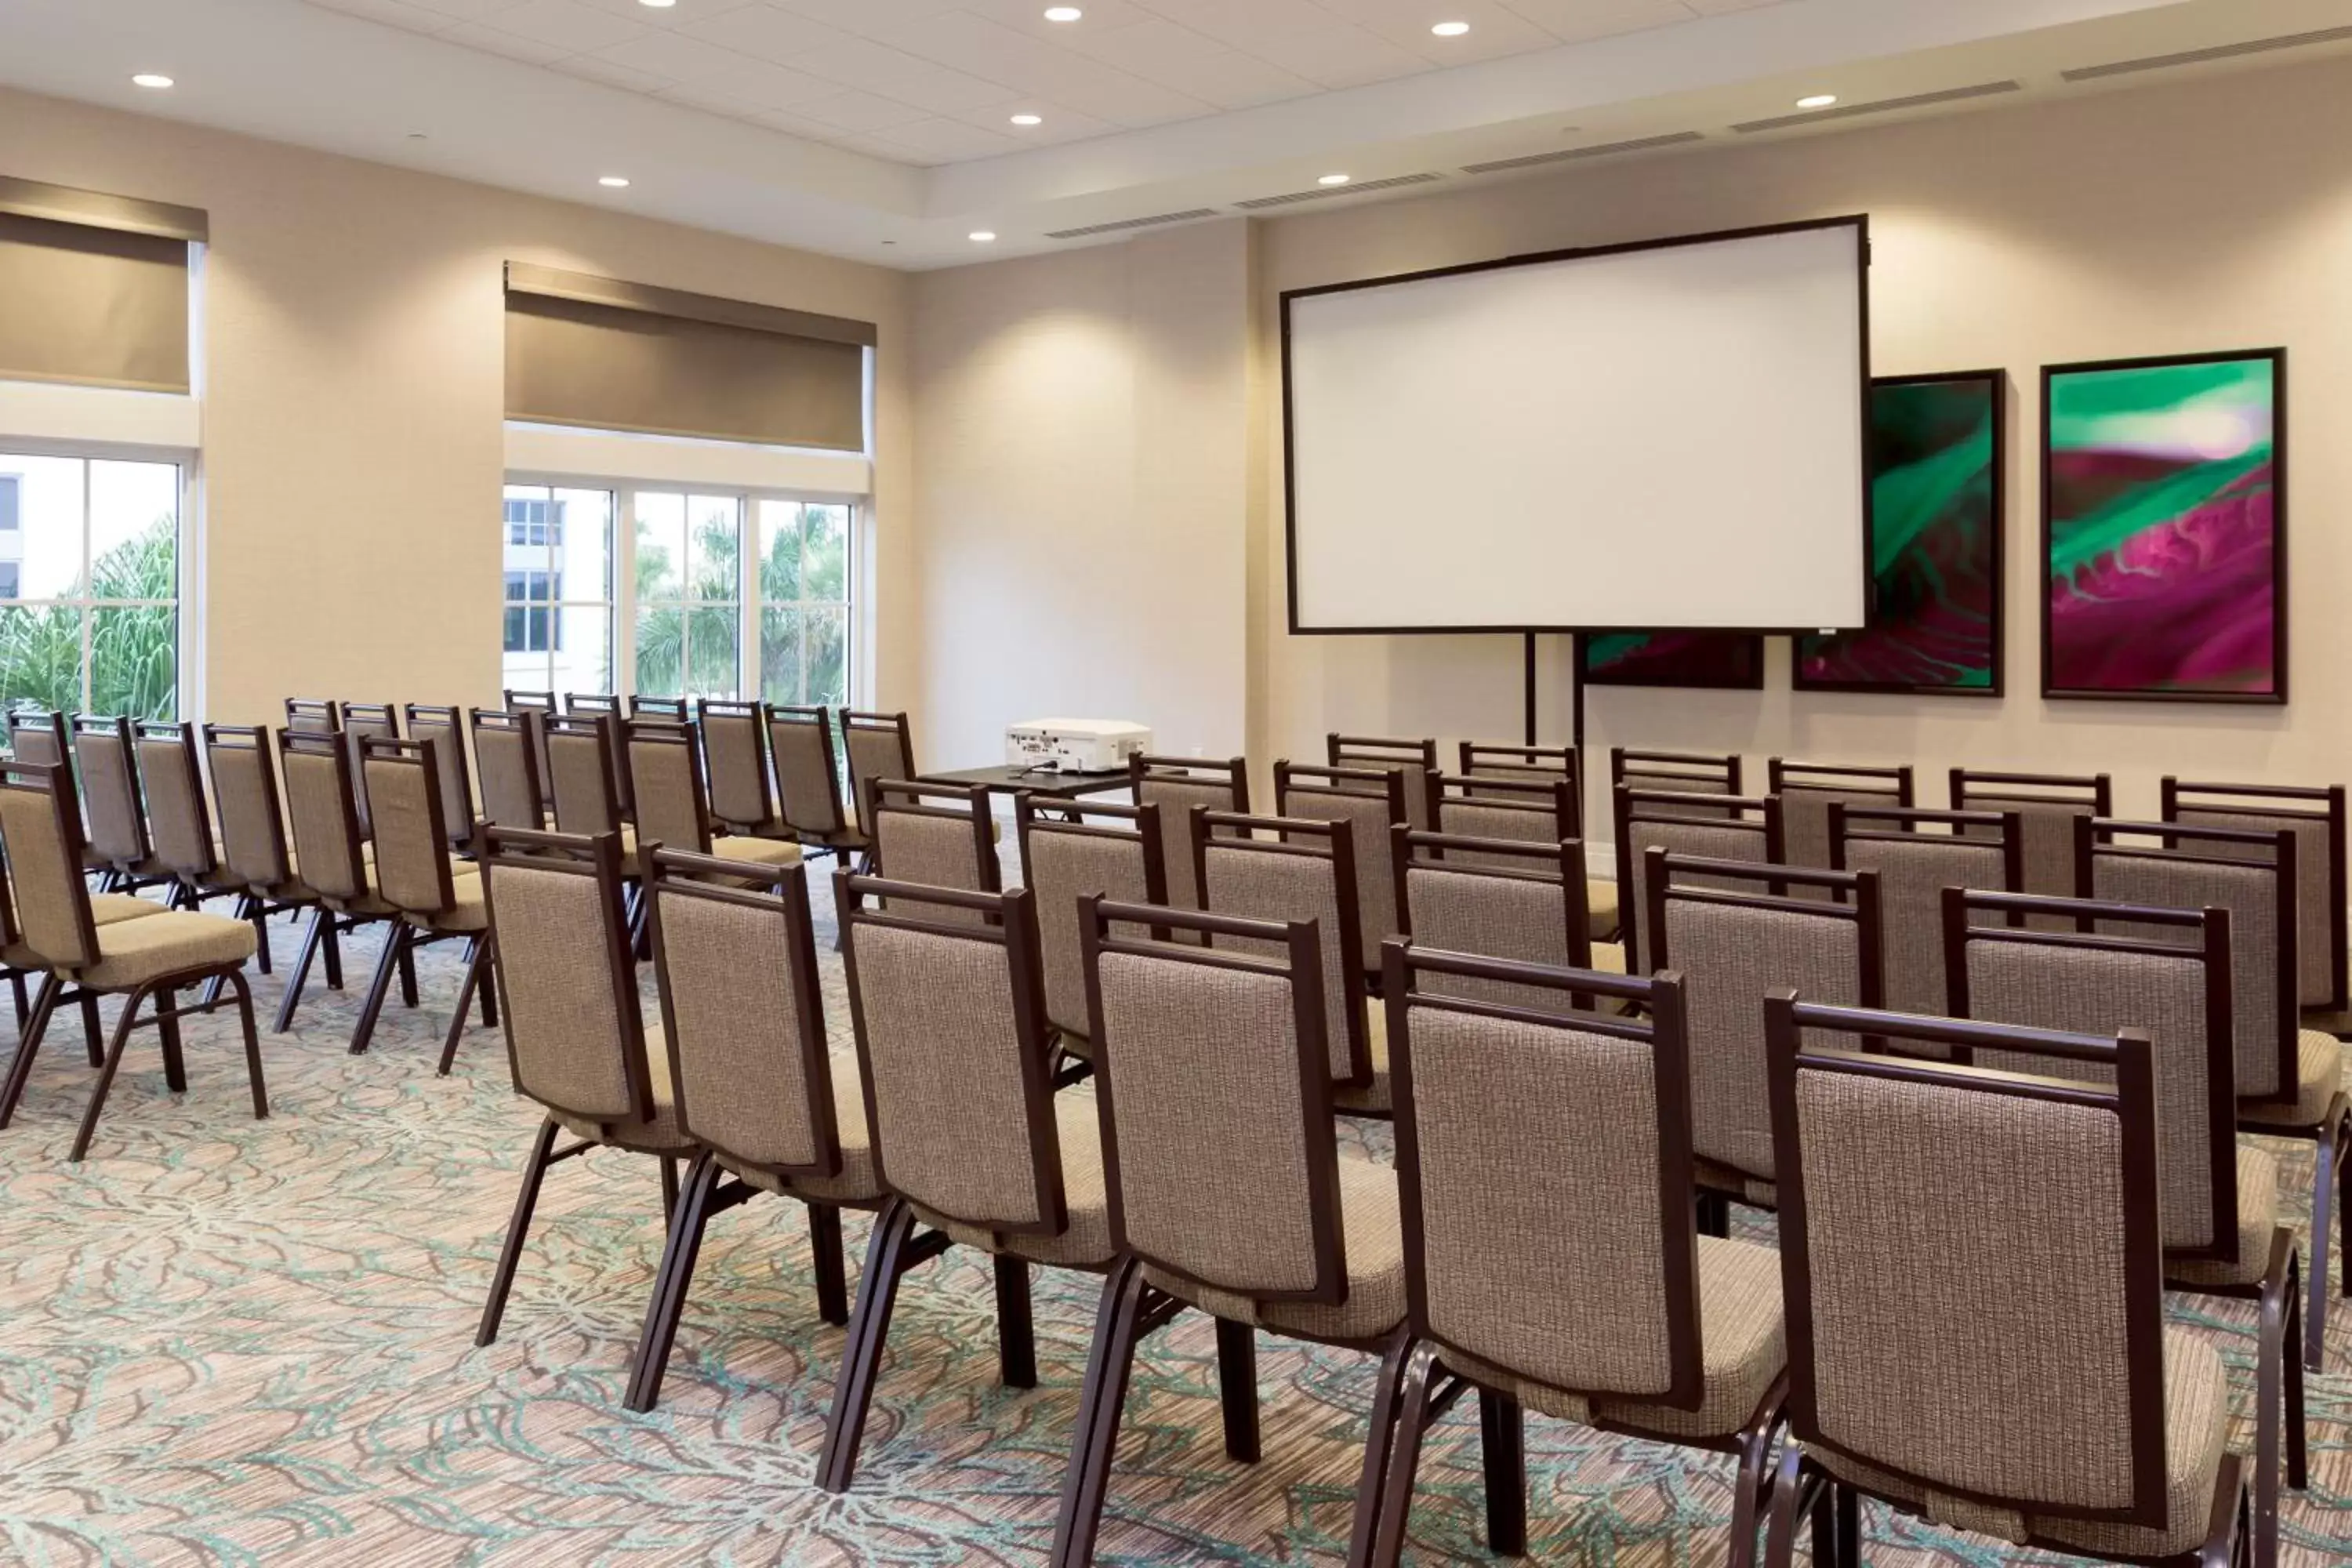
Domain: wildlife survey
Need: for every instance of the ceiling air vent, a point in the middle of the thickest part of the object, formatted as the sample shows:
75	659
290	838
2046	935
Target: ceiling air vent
2199	57
1316	196
1884	106
1127	223
1537	160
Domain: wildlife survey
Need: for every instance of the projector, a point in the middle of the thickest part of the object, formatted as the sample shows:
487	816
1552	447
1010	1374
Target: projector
1074	746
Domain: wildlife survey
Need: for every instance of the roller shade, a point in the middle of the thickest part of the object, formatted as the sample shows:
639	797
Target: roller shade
610	355
95	288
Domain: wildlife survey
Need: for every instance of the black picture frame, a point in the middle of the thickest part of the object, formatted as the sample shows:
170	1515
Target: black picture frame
1996	382
2277	695
1741	667
1858	222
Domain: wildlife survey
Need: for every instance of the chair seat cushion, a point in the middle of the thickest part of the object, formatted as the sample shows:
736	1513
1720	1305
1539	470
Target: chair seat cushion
1372	1233
759	851
105	910
659	1134
1743	1338
2318	1077
132	952
1084	1241
2196	1432
856	1182
2258	1216
1371	1098
1601	907
1732	1182
469	909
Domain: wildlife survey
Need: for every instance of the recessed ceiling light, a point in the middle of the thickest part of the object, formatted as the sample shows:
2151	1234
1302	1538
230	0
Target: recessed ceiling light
615	181
1028	119
1818	101
149	78
659	5
1332	180
982	236
1451	29
1063	13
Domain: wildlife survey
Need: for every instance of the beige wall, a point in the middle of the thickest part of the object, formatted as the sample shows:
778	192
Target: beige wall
1082	487
353	346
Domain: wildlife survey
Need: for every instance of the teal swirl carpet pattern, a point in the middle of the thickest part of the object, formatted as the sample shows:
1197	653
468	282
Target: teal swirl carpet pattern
225	1341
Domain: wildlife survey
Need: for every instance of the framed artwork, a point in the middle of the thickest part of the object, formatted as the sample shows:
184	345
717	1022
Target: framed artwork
1936	458
1733	659
2164	529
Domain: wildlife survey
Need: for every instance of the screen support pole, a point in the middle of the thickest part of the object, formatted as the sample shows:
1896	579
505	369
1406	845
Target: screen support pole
1528	687
1576	697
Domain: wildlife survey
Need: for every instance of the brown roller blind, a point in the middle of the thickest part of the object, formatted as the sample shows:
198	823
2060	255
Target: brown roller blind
610	355
93	289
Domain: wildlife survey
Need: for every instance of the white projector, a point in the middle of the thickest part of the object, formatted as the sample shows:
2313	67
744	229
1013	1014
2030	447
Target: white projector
1074	746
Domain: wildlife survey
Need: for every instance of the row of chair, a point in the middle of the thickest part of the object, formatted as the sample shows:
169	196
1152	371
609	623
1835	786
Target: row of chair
1965	1317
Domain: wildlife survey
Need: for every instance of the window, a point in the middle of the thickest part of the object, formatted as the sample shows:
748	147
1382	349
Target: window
557	561
719	594
90	585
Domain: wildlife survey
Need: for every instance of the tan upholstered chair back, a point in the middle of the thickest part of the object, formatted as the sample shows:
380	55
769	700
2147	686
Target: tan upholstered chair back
445	729
40	833
1734	829
175	800
1972	1270
735	753
1672	773
2101	983
1736	934
1544	1168
534	708
936	836
808	777
743	1011
38	739
1177	785
1414	762
588	705
1524	902
313	715
2315	817
1108	850
514	790
951	1033
245	798
667	784
2047	806
2252	875
1533	808
880	746
567	985
1917	855
412	847
362	720
1294	869
579	772
109	788
1218	1139
1370	802
321	812
1806	791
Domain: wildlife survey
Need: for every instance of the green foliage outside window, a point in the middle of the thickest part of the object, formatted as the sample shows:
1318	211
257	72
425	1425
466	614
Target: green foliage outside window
134	648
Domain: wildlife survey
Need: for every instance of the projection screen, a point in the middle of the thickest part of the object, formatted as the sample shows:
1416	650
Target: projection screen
1635	437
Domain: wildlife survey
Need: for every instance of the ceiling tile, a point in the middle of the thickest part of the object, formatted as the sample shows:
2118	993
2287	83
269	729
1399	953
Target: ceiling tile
894	73
1337	54
595	68
1244	24
1181	59
1029	16
1576	21
568	24
875	19
1494	31
767	31
684	14
513	46
469	10
673	55
857	112
944	139
392	13
1062	123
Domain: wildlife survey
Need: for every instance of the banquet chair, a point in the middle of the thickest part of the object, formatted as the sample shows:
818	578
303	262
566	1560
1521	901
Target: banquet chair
1414	762
1917	855
1718	826
2315	817
1079	850
1372	802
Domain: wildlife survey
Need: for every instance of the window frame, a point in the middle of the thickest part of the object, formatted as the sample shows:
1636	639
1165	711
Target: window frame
187	602
747	602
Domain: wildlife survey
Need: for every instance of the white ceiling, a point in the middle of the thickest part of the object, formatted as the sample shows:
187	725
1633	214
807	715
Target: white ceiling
938	81
880	128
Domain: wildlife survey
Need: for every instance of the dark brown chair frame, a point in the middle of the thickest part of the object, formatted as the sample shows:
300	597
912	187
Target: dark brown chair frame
400	947
330	924
1067	819
256	738
1632	768
2287	803
1561	863
1396	753
909	796
843	836
1320	840
126	873
2132	1101
456	769
856	720
534	764
753	714
2093	792
533	708
676	709
1895	783
1380	783
190	885
1540	791
1759	815
314	715
1231	771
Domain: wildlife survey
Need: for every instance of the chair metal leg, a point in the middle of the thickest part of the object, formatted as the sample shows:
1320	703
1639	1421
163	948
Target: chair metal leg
1780	1529
175	1065
1404	1456
670	1283
1118	1326
252	1045
478	953
320	918
1714	1214
2327	1155
826	1260
502	1279
1748	1497
1378	1445
1238	1389
28	1041
114	1050
93	1033
1502	1443
861	1359
17	993
670	1191
408	972
395	943
1016	1335
252	908
333	953
488	993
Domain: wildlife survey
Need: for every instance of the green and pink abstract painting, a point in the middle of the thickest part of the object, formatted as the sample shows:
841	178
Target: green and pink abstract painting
2163	529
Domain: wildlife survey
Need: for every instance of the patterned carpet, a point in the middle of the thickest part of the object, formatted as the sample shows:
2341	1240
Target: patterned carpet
225	1341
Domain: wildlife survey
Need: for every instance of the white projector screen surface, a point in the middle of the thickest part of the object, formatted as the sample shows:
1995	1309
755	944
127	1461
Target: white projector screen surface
1665	436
